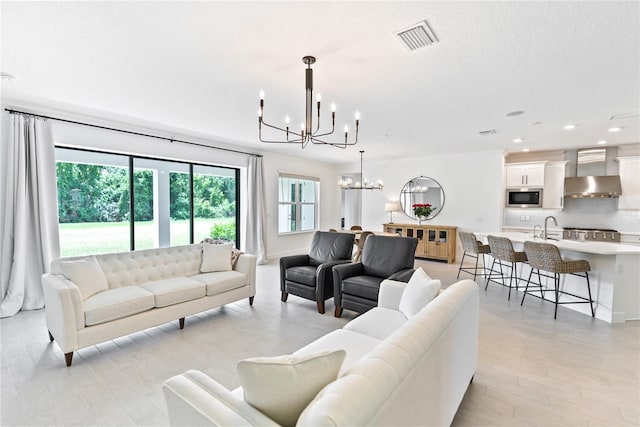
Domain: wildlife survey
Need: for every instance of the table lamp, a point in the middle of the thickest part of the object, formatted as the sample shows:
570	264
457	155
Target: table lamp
392	207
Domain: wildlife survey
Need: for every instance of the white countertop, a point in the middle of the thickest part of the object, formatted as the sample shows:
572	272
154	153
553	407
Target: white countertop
598	248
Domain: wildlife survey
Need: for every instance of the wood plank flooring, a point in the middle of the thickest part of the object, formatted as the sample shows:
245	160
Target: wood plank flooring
533	371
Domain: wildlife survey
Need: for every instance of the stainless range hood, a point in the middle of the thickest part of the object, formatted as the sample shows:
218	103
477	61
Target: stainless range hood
591	180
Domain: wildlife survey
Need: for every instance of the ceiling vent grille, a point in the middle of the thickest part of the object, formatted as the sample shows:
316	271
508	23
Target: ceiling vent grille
416	36
487	132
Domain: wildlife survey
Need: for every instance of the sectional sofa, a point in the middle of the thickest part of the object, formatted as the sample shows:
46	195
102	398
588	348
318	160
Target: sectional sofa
397	370
92	299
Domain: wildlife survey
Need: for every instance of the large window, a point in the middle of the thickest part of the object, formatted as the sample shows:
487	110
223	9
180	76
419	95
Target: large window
297	203
174	203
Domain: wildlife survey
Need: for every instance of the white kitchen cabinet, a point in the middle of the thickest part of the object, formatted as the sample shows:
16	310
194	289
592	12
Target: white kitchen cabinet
630	182
525	175
553	193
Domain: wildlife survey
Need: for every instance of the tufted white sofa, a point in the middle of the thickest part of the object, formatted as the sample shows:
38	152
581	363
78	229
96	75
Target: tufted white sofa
145	288
397	372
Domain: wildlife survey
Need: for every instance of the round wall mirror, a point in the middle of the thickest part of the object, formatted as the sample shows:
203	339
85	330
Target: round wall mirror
422	190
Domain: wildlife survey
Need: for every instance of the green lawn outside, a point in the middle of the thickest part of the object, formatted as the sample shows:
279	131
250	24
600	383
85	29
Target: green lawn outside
105	237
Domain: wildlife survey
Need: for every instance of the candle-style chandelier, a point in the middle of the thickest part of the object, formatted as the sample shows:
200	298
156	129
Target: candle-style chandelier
363	184
307	133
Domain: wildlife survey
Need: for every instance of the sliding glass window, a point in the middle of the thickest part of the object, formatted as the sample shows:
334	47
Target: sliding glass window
174	203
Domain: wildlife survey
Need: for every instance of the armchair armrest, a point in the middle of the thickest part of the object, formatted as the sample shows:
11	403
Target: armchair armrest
195	399
288	262
402	275
64	310
390	294
324	279
341	272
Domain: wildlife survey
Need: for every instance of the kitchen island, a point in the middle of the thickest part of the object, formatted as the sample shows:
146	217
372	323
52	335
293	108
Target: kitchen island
614	275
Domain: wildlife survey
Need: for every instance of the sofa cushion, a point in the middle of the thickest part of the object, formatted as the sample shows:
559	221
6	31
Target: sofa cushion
420	290
355	344
281	387
362	286
173	291
221	281
216	258
379	322
86	274
305	274
116	303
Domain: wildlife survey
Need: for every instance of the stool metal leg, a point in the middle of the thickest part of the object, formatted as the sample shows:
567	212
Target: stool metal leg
593	313
461	263
489	276
526	287
556	282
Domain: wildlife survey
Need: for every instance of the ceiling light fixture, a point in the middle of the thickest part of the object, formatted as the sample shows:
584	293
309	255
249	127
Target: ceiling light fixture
516	140
363	184
307	133
569	127
602	142
615	129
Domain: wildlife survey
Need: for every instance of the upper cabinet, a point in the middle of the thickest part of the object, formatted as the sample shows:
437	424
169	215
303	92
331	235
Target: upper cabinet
630	182
553	193
525	175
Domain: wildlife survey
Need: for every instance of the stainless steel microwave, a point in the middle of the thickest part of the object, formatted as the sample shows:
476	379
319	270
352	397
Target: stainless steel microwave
524	198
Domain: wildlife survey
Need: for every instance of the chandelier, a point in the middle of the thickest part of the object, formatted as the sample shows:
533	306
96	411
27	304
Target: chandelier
307	133
363	184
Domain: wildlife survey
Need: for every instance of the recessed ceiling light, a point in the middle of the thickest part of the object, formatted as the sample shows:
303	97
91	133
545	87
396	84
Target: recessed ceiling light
569	127
515	113
518	140
7	76
602	142
526	150
616	129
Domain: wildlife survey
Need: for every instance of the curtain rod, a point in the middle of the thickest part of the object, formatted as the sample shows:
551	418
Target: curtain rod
11	111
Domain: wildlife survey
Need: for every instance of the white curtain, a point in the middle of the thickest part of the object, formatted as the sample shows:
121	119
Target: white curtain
256	210
28	213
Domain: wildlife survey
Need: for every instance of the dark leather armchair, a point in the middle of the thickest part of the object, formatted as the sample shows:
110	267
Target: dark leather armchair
309	276
356	285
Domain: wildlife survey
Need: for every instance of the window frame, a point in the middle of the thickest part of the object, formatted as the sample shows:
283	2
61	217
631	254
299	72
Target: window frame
298	204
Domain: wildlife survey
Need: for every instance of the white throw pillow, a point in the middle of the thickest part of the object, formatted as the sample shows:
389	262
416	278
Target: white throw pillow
216	258
419	292
281	387
86	274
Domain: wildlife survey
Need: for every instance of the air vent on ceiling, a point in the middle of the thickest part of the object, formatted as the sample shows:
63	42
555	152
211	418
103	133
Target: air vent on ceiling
487	132
416	36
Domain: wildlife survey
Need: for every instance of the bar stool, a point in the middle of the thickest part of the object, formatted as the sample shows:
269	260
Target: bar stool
503	252
546	257
473	248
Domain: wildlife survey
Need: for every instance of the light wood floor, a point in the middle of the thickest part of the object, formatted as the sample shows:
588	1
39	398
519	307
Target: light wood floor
532	371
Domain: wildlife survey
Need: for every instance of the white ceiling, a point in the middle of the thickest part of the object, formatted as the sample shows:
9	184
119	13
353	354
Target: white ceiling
197	67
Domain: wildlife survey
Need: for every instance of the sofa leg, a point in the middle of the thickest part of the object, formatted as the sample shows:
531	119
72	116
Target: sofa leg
471	379
50	336
338	311
68	357
181	322
320	307
283	296
250	300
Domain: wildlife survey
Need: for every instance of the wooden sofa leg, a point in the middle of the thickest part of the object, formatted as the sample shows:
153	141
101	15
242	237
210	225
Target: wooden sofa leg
50	336
471	379
68	357
283	297
181	322
250	300
338	311
321	307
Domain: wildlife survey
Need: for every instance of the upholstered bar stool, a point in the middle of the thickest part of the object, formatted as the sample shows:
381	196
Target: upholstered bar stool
503	253
473	248
546	257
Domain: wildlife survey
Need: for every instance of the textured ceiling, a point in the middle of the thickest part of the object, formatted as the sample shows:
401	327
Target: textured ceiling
197	67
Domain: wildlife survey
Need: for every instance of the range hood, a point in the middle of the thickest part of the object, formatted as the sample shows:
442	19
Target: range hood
591	180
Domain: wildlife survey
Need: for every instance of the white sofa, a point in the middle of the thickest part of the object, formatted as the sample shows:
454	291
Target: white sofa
396	371
145	288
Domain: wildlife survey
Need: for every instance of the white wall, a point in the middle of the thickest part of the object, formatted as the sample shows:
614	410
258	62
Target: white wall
472	184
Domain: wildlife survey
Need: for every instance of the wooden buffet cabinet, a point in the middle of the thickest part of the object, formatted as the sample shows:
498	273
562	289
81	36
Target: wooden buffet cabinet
434	241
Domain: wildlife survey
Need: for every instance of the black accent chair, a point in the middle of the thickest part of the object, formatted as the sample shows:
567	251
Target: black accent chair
309	276
356	285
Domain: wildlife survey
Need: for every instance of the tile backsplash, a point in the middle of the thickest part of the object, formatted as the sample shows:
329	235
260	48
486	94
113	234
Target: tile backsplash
587	213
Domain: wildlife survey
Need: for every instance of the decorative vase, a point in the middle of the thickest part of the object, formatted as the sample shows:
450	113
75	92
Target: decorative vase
419	220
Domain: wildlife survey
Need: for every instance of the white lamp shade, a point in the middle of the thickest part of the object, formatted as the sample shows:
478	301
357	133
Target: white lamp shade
392	207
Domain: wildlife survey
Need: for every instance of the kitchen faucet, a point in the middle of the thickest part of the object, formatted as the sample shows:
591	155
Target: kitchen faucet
544	236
